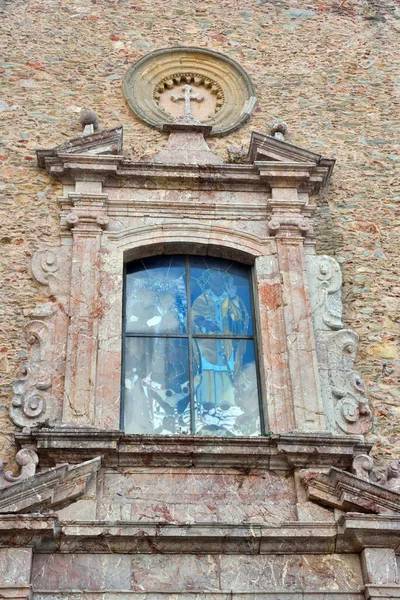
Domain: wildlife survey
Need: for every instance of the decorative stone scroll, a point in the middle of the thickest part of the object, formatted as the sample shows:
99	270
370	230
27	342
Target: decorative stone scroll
40	384
27	459
342	387
389	477
228	93
325	291
51	267
353	414
32	391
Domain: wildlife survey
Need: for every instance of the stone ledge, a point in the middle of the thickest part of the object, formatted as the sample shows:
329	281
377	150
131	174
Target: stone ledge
278	452
351	534
199	595
16	592
260	176
370	531
206	538
390	592
17	531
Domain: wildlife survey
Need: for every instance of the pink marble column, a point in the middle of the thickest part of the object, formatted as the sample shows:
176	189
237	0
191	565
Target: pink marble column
86	220
290	222
276	381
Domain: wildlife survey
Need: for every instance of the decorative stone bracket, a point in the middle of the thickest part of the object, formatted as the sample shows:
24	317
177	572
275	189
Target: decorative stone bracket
342	387
32	401
28	460
389	477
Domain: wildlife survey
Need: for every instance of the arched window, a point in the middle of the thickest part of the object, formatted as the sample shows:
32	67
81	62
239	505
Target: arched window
189	348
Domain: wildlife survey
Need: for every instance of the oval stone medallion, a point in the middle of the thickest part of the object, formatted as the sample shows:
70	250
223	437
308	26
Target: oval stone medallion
190	82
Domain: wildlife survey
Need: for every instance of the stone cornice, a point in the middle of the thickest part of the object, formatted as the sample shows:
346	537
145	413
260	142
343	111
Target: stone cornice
259	176
352	533
359	531
278	452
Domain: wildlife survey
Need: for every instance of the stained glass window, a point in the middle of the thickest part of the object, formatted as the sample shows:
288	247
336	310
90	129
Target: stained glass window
189	348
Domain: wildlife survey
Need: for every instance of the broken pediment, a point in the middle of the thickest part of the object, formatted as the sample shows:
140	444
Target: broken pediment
349	492
108	141
52	488
268	148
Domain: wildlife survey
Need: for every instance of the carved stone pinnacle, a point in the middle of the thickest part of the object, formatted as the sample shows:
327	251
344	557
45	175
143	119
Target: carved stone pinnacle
279	129
89	120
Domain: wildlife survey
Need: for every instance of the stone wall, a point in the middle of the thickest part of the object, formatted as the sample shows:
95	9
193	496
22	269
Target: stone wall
326	67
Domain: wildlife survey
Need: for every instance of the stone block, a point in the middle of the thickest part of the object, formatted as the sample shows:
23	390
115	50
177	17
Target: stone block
379	566
203	495
81	572
15	567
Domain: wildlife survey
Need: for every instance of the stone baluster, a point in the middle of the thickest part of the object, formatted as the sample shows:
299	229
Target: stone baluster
86	220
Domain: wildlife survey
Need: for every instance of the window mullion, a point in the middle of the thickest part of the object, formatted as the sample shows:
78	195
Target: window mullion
189	330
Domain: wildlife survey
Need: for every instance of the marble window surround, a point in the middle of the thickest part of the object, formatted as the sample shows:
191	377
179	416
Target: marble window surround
260	213
113	211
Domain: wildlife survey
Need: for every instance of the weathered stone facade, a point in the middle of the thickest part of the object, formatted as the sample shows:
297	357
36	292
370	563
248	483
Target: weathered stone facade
303	511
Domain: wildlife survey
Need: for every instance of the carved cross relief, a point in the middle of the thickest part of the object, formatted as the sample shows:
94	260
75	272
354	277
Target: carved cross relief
190	97
187	97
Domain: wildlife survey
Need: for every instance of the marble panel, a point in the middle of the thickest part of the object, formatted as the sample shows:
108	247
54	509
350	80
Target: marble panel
271	595
15	566
380	566
169	573
181	496
332	572
256	573
81	571
172	573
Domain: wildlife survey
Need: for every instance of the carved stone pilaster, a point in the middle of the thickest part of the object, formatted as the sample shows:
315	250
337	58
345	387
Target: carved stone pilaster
86	217
273	342
291	221
342	387
290	216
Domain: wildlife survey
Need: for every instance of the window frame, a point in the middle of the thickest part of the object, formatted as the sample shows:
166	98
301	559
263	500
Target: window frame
190	336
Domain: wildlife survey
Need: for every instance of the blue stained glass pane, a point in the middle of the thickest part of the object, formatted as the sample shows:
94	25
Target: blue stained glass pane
220	297
225	387
157	395
156	296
